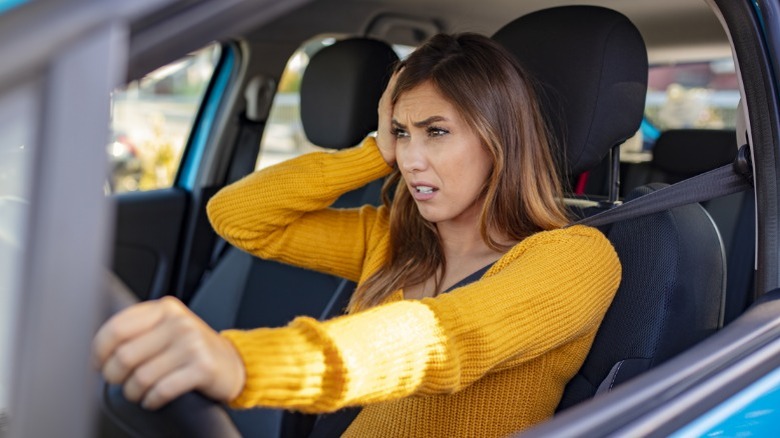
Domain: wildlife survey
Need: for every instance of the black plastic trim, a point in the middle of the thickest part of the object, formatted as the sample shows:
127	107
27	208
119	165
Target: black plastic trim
761	97
147	236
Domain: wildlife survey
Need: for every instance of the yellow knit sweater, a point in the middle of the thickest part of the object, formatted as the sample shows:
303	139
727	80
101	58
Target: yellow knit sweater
486	359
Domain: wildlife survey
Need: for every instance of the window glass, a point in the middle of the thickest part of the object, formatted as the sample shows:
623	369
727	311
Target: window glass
151	120
693	95
700	95
283	137
17	115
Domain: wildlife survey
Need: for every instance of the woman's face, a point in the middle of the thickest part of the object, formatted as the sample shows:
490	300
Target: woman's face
440	157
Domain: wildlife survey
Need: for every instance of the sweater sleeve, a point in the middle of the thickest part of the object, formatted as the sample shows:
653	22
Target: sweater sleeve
551	289
281	212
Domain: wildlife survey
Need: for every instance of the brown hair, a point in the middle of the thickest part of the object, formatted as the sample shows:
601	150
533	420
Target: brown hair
523	194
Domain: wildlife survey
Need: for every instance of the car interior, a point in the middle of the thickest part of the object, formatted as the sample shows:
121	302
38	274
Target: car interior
688	271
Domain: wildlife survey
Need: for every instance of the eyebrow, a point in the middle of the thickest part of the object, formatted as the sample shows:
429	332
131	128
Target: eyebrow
422	123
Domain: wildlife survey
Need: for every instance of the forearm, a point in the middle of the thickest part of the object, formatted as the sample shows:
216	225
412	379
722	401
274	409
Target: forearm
274	197
384	353
281	212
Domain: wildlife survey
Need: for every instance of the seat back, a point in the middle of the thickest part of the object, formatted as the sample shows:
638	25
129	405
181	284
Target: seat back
679	154
591	63
671	296
340	91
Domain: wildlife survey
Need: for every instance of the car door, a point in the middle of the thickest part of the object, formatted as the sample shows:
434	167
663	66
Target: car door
160	127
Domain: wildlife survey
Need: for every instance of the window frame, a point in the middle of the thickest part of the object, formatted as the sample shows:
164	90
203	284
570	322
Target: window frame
60	299
208	116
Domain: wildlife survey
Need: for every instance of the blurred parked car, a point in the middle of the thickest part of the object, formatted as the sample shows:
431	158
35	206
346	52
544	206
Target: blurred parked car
125	165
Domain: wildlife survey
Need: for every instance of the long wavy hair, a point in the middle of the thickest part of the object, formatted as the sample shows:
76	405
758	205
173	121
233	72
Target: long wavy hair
523	194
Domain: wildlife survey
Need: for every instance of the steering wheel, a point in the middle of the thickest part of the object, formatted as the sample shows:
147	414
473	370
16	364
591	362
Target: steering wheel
190	415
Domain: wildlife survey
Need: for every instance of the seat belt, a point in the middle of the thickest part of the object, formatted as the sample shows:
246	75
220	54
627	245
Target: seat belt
248	141
259	96
731	178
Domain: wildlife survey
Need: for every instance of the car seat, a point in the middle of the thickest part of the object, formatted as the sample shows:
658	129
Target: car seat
340	91
591	65
679	154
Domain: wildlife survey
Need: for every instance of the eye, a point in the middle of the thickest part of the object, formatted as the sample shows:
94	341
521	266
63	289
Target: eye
434	131
400	133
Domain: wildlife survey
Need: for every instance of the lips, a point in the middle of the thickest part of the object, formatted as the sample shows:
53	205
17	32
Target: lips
423	191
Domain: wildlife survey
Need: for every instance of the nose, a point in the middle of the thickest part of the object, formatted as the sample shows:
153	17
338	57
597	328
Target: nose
411	156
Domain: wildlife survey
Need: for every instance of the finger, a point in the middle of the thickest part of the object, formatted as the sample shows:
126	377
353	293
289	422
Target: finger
394	78
386	99
130	355
124	326
385	113
174	384
151	372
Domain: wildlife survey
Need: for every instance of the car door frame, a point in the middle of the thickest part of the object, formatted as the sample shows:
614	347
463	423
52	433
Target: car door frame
61	296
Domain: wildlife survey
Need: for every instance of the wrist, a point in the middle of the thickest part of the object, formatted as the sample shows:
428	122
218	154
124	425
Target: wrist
237	374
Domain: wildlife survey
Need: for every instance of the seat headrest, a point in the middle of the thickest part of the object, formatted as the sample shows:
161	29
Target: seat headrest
591	63
689	152
340	91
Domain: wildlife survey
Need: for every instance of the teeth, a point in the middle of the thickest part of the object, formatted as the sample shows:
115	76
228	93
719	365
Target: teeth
424	189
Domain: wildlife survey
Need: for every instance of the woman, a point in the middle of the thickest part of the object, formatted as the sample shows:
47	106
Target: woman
462	138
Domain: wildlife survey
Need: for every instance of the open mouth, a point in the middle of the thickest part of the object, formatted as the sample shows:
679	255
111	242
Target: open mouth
425	189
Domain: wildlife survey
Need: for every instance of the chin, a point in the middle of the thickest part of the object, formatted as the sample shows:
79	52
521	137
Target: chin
430	216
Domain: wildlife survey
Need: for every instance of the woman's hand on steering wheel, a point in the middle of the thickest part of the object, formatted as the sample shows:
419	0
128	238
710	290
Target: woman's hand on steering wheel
159	350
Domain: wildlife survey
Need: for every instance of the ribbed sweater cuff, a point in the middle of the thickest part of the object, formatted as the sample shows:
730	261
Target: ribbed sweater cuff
349	169
290	367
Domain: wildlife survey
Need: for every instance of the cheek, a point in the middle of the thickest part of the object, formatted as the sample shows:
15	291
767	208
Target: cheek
482	165
470	174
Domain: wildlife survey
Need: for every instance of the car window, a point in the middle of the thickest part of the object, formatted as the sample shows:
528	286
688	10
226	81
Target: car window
283	137
151	120
693	95
701	95
17	113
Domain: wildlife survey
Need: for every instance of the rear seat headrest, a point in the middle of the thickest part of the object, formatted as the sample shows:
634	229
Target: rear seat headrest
689	152
341	88
592	65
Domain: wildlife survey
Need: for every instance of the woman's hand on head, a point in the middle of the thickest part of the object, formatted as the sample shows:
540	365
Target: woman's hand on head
385	138
159	350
